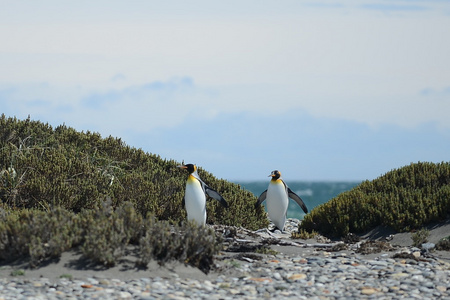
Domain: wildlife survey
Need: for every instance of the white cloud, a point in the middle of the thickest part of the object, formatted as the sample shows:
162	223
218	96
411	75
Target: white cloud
221	83
231	50
138	108
340	62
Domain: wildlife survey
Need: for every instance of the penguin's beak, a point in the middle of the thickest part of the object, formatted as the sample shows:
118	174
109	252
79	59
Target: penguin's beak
182	166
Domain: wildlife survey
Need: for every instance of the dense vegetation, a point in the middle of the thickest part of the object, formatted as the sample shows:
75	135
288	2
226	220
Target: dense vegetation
63	177
104	235
404	199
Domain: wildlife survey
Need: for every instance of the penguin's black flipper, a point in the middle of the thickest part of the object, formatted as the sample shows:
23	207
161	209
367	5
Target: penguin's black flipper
261	198
215	195
297	199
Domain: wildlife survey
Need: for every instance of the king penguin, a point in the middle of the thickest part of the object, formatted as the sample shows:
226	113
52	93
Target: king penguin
277	196
195	195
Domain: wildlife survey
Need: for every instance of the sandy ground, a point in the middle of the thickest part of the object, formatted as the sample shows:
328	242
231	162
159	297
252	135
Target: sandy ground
437	232
72	264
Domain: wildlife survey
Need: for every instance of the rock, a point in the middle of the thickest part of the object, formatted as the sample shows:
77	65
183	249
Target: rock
297	276
428	246
368	291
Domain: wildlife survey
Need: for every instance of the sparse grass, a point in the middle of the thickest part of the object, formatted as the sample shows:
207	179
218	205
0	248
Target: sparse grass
224	286
304	234
266	250
369	247
19	272
66	276
234	263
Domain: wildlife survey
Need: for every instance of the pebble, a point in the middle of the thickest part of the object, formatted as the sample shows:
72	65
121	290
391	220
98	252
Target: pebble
316	275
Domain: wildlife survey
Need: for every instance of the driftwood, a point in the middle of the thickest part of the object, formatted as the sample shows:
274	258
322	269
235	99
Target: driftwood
265	237
281	242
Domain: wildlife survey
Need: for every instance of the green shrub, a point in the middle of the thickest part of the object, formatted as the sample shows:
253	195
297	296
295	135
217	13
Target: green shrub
444	244
420	237
303	234
42	167
19	272
107	232
404	199
103	235
188	243
66	276
37	234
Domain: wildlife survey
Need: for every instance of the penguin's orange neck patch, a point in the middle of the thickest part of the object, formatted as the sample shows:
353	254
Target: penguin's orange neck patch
191	178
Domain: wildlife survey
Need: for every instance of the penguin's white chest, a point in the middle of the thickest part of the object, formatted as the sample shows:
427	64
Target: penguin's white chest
195	201
277	203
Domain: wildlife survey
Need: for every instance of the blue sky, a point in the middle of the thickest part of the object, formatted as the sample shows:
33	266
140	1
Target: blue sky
321	90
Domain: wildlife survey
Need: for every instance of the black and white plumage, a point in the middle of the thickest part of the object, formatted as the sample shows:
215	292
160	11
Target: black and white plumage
277	196
195	195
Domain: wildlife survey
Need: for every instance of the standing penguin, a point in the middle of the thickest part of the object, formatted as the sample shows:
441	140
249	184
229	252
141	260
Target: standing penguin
277	195
195	195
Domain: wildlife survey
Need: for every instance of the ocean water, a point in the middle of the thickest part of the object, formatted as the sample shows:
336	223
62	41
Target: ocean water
312	193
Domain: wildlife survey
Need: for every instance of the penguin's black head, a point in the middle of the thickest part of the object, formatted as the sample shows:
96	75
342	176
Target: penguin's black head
275	174
189	167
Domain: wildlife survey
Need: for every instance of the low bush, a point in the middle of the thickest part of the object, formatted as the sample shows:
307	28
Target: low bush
107	232
188	243
404	199
103	234
420	237
37	234
444	244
